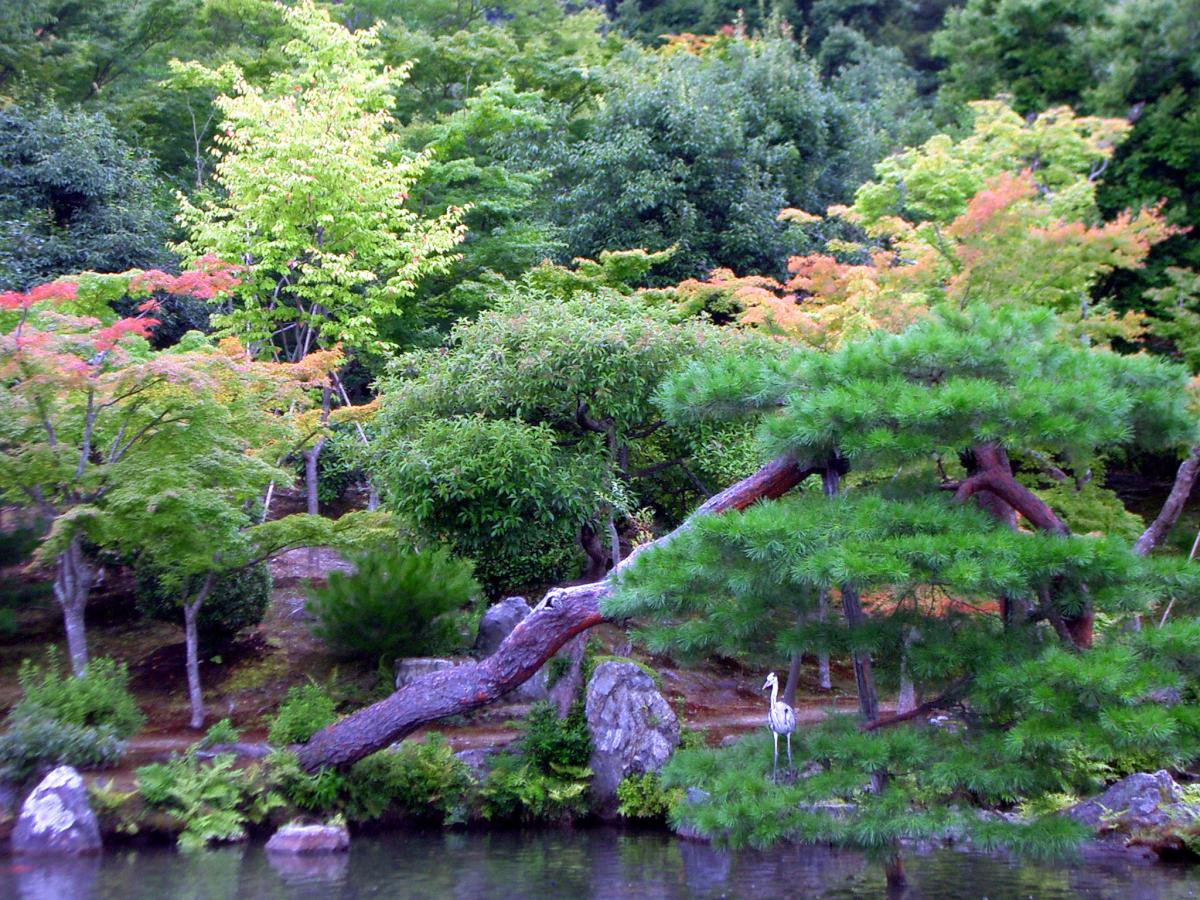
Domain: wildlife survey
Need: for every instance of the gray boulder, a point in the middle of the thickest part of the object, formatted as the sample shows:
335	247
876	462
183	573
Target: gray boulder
1137	803
411	668
56	818
498	623
303	839
632	726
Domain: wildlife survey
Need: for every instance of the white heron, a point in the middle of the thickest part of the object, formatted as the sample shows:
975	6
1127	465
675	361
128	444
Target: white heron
781	720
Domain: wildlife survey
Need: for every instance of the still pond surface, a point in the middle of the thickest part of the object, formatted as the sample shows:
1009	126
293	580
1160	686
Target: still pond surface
578	865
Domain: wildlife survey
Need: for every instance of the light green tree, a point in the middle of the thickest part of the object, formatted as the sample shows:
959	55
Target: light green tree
313	206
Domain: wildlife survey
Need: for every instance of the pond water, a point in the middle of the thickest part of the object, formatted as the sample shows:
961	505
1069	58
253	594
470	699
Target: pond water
579	864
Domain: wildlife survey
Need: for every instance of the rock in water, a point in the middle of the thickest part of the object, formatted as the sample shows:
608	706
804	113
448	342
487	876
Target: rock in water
56	817
309	839
633	728
498	622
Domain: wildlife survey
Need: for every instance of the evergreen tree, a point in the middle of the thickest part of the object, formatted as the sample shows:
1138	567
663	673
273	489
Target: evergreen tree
975	604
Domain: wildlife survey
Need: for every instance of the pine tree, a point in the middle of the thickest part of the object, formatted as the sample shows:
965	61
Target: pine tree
923	524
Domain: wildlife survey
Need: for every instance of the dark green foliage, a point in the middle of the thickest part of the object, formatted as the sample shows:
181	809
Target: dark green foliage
100	698
32	744
74	196
394	604
305	710
550	742
421	780
1056	723
641	796
776	559
238	600
221	732
213	801
948	383
701	152
535	418
518	790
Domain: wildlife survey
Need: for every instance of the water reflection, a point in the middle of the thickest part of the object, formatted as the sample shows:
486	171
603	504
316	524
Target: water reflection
577	865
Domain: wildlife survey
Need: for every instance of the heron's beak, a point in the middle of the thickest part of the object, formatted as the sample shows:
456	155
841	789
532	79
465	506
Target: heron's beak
766	684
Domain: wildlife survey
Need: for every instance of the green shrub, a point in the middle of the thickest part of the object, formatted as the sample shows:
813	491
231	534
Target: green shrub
321	791
394	604
100	698
221	732
517	789
237	601
549	741
34	743
420	780
305	710
642	796
214	801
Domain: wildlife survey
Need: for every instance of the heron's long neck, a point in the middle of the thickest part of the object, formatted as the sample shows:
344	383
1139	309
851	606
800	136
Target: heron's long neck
774	694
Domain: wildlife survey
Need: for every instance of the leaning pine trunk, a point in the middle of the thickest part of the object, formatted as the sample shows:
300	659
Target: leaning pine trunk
72	582
191	612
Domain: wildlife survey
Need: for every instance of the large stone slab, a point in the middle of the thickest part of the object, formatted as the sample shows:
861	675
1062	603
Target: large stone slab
632	726
56	818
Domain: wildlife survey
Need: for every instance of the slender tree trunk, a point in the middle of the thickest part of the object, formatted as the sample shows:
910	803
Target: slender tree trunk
564	692
72	583
1185	478
906	701
313	454
191	638
864	679
823	658
562	614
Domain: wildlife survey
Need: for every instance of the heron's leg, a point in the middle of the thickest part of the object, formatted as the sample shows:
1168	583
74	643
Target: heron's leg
775	765
789	743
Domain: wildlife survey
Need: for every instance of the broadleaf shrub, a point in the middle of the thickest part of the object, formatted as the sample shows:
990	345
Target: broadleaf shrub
550	741
394	604
237	601
100	697
305	710
33	743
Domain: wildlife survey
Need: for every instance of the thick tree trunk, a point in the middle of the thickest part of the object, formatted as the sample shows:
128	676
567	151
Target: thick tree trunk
562	614
1185	478
593	549
994	475
72	583
793	679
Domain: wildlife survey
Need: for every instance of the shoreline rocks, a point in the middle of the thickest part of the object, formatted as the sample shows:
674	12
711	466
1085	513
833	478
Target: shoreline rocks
56	818
632	726
297	839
